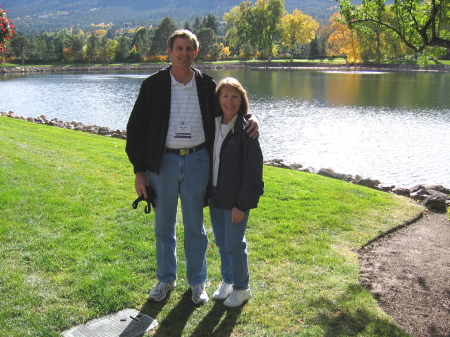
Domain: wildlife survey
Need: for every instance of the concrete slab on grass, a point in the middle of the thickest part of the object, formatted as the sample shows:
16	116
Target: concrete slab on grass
125	323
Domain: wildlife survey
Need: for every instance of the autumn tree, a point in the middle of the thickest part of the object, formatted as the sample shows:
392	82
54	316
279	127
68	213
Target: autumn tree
260	24
343	41
421	24
230	29
268	14
224	51
392	47
298	29
377	43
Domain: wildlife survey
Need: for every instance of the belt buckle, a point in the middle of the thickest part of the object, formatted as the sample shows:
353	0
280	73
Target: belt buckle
184	152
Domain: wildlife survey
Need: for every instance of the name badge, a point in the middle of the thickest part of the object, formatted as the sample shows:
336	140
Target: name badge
183	131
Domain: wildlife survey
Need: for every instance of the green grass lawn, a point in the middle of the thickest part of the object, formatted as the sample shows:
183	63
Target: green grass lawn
73	249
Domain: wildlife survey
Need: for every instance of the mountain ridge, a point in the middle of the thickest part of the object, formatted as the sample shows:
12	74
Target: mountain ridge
53	15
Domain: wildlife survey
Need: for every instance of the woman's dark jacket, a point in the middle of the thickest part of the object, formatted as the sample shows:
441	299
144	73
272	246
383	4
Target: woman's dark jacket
239	181
149	120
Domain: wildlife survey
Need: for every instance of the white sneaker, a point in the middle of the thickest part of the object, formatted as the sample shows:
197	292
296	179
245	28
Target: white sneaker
199	293
160	290
223	291
237	297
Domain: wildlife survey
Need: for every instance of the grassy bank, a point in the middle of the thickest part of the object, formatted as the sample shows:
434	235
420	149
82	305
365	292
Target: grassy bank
323	61
73	249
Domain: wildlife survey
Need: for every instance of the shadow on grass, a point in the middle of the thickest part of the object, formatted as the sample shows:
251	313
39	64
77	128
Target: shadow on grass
176	320
342	317
213	324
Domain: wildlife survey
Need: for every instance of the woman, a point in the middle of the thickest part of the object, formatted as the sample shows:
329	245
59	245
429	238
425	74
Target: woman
237	186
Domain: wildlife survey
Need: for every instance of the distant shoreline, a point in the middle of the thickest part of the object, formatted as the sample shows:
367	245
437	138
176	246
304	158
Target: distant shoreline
240	65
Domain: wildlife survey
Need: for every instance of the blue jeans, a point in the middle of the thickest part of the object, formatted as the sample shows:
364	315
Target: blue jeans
186	177
230	239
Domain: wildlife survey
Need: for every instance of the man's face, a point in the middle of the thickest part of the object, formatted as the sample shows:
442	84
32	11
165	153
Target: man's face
183	53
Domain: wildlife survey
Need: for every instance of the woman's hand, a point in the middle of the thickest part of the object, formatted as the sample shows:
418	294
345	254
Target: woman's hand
236	215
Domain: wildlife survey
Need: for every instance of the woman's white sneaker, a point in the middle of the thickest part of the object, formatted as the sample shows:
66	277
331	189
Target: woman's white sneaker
237	297
223	291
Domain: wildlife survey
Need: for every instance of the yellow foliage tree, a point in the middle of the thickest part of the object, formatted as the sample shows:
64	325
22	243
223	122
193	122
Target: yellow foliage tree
224	51
298	29
100	32
343	41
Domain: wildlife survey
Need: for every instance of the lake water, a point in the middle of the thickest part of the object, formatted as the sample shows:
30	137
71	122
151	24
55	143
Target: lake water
392	126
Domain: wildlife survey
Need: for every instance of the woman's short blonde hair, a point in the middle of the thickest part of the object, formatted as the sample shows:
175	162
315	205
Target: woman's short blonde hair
233	83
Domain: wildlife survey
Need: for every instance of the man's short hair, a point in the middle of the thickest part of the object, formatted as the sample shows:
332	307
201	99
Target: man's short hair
185	34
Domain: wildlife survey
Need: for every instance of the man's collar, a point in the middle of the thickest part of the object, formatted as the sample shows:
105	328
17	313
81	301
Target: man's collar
175	82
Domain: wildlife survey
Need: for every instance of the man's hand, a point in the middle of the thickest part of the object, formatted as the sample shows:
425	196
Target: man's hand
140	184
253	127
236	215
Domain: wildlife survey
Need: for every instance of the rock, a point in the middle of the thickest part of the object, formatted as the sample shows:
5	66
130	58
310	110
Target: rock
416	188
309	170
432	196
104	131
119	134
419	195
296	167
367	182
401	191
434	187
435	202
327	172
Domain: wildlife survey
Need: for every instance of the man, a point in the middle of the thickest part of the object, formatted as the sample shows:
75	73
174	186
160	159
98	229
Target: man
170	135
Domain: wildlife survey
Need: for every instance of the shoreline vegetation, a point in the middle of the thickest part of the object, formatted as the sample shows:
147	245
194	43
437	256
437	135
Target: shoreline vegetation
298	65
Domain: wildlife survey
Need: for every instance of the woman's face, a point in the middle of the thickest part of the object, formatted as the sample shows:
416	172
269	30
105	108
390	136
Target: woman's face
230	101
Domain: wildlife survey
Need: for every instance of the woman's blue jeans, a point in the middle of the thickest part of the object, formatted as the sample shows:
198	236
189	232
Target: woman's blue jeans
230	239
185	177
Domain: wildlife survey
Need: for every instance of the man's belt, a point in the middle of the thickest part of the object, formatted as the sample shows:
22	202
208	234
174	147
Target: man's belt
184	152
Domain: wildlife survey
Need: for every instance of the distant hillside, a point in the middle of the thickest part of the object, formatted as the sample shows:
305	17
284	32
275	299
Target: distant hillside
52	15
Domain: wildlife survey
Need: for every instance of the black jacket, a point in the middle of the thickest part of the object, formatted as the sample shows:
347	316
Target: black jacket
149	119
240	178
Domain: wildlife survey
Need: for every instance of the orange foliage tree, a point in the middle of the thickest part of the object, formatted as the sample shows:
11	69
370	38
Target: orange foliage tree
343	41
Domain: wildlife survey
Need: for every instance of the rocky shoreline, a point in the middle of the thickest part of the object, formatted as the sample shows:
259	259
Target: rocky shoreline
436	197
238	65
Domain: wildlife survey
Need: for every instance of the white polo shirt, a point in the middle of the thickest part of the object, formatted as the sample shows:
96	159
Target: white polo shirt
185	124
